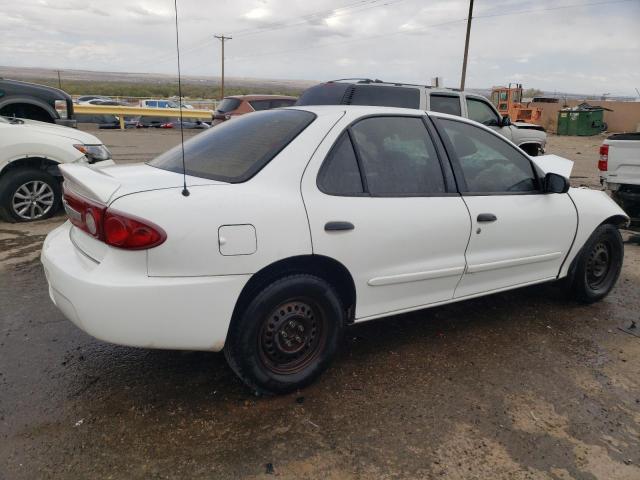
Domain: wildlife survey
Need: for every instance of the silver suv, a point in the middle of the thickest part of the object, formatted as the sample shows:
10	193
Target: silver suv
530	138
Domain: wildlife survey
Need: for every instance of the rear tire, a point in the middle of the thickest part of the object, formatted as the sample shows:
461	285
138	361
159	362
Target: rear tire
598	265
28	194
287	334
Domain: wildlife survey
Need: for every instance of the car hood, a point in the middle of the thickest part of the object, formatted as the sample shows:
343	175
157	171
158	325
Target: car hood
106	184
553	164
52	129
528	126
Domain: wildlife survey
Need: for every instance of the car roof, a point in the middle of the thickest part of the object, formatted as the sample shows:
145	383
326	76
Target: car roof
368	81
365	110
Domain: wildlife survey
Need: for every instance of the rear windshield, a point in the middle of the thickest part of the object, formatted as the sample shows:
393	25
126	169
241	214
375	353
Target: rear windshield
236	150
228	104
330	93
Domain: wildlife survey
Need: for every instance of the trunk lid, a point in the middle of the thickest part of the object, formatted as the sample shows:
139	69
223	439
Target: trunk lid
106	184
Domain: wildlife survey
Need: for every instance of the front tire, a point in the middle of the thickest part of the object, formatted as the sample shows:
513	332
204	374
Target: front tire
287	334
598	265
28	194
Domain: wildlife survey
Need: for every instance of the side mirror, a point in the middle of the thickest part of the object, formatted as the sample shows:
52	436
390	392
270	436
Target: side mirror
554	183
506	121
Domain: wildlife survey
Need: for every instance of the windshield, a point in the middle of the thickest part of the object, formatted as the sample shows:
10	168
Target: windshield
228	104
237	150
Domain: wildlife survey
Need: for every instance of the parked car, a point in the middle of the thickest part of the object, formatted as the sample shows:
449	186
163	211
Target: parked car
187	124
235	105
162	104
298	222
89	98
619	167
30	153
35	102
108	122
105	101
531	138
152	122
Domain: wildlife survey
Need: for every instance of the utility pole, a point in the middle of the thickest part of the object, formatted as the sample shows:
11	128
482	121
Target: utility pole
59	82
466	46
222	38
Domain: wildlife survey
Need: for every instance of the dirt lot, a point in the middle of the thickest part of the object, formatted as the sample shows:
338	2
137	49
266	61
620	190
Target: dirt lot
520	385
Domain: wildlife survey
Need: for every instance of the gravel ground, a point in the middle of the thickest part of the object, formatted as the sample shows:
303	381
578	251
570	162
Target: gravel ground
519	385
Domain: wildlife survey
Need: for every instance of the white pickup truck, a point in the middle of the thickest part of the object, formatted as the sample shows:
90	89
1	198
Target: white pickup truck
619	167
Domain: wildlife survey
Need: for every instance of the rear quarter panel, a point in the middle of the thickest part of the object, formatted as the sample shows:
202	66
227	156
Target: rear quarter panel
271	201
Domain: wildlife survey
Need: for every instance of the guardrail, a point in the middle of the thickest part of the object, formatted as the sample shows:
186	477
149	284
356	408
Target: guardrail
122	111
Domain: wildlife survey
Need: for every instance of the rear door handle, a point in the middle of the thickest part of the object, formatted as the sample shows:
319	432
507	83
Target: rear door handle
487	217
337	226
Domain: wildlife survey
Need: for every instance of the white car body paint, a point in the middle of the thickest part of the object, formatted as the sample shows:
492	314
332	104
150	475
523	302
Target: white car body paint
41	140
405	253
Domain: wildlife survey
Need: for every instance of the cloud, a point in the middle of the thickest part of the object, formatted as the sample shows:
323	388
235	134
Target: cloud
586	49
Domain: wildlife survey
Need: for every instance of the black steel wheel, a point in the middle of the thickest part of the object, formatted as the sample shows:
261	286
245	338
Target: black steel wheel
287	334
292	336
598	265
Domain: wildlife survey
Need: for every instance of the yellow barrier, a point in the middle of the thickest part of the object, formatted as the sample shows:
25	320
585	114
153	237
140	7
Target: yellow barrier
123	111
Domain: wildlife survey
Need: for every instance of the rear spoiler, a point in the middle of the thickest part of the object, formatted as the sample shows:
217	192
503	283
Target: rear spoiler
89	181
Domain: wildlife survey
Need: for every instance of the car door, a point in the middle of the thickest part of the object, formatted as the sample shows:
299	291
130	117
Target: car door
482	111
519	233
379	202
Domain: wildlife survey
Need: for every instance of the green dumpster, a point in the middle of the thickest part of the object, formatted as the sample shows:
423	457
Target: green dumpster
583	120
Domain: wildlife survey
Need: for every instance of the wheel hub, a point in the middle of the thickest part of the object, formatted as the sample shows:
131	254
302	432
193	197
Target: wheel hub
598	264
32	200
290	337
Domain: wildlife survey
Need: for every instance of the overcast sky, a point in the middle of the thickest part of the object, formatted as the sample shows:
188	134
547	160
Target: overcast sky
583	46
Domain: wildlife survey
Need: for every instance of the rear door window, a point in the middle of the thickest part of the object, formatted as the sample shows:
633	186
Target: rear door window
260	104
445	104
398	156
282	102
235	151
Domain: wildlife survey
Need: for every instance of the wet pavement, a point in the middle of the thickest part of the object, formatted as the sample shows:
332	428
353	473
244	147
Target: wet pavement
519	385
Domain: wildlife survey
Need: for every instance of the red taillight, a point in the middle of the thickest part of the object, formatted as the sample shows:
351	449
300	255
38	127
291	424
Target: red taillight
603	163
132	233
111	226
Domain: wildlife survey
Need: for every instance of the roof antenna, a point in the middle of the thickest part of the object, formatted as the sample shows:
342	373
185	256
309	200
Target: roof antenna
185	191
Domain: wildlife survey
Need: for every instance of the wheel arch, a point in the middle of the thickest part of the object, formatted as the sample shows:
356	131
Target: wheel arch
529	145
327	268
617	221
32	103
40	163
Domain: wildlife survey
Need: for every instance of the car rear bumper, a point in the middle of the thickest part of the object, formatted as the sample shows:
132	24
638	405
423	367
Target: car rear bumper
116	301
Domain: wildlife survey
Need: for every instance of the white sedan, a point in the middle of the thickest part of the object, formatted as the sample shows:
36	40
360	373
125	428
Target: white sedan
298	222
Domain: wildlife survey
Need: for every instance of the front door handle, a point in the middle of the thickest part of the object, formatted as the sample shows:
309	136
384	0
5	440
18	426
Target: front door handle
337	226
487	217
